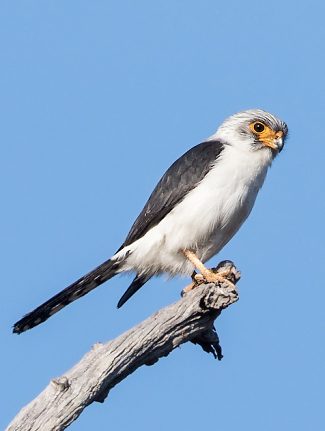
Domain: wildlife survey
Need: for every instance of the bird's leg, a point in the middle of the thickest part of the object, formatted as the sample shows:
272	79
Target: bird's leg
208	275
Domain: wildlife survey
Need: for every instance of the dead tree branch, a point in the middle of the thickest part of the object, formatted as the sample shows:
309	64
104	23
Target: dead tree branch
190	319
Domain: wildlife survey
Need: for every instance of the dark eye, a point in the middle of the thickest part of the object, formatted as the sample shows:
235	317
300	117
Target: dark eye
259	127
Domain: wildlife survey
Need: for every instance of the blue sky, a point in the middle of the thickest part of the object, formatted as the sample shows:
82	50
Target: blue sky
97	100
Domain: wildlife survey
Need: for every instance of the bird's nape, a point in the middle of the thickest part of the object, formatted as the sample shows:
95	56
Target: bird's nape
198	206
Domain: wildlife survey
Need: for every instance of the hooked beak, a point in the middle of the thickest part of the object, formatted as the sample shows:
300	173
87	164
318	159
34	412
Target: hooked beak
274	141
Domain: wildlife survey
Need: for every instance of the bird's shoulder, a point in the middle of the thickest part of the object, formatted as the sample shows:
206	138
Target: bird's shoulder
182	176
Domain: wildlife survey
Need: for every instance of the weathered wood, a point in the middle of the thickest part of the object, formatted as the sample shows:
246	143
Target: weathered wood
189	319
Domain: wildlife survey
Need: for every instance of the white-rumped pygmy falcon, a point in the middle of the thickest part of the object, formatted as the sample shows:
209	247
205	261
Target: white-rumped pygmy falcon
196	208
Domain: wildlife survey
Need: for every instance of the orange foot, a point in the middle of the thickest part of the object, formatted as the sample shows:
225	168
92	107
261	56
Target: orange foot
207	275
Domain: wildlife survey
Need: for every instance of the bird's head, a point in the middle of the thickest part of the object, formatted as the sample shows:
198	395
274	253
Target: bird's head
255	130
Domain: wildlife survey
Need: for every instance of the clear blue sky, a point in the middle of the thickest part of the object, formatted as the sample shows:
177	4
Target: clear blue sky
98	98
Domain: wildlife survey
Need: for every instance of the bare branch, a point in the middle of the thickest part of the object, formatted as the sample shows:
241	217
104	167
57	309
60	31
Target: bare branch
190	319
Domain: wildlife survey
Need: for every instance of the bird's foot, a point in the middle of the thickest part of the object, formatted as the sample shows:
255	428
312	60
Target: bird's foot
197	280
213	276
224	272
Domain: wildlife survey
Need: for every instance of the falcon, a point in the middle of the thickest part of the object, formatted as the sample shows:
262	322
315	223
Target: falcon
196	208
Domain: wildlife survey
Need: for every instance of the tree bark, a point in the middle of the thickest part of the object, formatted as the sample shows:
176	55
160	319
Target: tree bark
190	319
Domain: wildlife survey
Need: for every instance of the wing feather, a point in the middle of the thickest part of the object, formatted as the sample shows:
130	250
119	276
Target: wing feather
183	175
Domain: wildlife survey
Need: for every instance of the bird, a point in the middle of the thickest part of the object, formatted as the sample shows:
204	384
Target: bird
195	209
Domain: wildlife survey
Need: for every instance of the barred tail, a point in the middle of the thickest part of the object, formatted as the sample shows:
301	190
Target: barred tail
82	286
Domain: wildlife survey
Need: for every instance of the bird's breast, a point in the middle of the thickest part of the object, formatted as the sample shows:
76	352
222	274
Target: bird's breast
216	208
206	218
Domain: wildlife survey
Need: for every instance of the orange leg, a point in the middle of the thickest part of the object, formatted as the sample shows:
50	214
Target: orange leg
206	274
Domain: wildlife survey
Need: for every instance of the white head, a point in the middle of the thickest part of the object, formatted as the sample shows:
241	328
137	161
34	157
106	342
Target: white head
253	130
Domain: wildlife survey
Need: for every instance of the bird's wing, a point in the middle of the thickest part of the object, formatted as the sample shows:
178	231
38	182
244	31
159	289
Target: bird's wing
179	179
136	284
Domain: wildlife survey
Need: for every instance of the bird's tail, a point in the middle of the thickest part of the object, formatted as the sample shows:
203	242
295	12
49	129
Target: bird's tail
82	286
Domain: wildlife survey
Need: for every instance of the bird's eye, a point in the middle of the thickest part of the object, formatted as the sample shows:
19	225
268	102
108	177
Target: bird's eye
259	127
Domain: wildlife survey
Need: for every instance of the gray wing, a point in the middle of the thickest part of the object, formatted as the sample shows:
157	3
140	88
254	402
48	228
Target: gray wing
179	179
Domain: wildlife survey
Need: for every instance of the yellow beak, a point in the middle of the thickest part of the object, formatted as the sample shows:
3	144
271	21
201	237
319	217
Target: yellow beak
272	139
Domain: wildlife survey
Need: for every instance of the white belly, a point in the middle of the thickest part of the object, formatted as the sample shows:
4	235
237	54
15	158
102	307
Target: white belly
205	220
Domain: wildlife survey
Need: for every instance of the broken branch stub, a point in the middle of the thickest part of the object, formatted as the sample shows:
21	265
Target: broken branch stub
190	319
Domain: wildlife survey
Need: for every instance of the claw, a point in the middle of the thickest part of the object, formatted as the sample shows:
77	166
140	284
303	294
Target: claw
223	273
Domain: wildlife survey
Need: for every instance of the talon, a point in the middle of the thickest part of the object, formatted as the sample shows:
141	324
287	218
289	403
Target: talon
209	275
197	280
187	289
213	277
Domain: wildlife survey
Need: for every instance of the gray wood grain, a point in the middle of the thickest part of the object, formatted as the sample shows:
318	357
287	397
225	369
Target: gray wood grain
91	379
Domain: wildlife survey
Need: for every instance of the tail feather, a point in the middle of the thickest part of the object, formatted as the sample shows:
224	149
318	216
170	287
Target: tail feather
76	290
138	282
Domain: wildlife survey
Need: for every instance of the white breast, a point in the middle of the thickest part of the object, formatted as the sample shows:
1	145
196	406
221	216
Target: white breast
206	219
